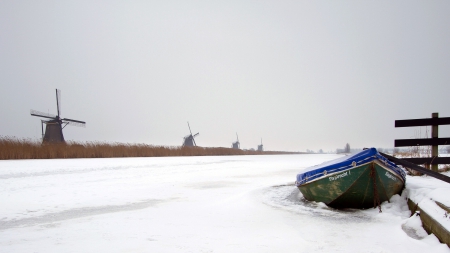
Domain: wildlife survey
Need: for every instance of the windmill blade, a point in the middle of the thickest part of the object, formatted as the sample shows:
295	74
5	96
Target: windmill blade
58	101
42	128
193	140
195	135
42	114
237	137
189	128
72	120
73	123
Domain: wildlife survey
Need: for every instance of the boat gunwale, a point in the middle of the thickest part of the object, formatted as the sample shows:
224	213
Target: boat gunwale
335	170
384	166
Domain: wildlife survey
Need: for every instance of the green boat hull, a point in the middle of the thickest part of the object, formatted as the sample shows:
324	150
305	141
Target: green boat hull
362	187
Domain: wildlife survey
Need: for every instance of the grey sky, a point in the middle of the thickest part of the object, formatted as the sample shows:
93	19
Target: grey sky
300	74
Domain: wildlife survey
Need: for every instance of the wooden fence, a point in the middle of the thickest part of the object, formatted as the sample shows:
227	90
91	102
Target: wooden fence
434	141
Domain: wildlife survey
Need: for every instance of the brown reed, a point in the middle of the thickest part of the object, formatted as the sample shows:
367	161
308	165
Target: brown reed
16	148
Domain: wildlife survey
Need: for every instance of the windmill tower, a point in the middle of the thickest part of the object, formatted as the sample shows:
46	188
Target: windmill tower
260	147
189	139
55	124
236	145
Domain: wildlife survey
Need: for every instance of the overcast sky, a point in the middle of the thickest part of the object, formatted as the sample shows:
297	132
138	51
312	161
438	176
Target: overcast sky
298	74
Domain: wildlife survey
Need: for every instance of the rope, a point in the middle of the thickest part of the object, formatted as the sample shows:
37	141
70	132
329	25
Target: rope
376	197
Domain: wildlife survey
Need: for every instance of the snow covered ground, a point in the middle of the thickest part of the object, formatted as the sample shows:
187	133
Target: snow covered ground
194	204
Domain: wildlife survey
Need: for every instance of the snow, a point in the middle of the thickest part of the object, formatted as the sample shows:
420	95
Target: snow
426	191
195	204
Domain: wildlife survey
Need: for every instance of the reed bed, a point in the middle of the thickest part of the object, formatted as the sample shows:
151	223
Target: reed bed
16	148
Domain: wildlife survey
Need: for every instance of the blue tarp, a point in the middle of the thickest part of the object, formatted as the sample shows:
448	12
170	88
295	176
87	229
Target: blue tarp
345	163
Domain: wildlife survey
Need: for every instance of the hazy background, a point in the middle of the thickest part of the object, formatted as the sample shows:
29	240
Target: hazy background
300	74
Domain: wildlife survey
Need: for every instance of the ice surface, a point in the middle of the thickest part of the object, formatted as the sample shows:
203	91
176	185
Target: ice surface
192	204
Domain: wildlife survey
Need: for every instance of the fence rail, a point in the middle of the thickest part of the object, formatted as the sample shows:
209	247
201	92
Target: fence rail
428	160
422	142
422	122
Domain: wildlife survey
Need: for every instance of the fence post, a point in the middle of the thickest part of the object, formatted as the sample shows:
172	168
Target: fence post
434	148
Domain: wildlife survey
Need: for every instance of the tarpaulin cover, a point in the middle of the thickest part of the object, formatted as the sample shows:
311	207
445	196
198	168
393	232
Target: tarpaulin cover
345	163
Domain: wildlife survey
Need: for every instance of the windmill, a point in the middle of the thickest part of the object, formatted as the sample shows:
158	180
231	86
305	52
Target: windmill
260	147
189	139
236	145
55	124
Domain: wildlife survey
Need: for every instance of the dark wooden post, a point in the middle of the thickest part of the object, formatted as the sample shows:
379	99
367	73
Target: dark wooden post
434	148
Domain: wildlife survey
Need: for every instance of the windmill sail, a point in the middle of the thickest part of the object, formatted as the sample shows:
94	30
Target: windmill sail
58	101
42	114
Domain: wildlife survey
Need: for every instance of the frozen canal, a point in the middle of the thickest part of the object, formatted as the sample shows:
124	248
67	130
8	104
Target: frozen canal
188	204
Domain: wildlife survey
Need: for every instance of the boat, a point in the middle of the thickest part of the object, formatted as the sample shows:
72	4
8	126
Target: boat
362	180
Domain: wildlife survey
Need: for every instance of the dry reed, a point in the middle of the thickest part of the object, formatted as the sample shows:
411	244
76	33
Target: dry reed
16	148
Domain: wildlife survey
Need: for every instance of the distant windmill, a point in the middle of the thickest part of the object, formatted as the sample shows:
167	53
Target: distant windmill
55	124
236	145
260	147
189	139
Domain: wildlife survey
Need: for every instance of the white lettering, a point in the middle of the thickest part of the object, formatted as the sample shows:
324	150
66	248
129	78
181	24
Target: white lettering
390	176
338	176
